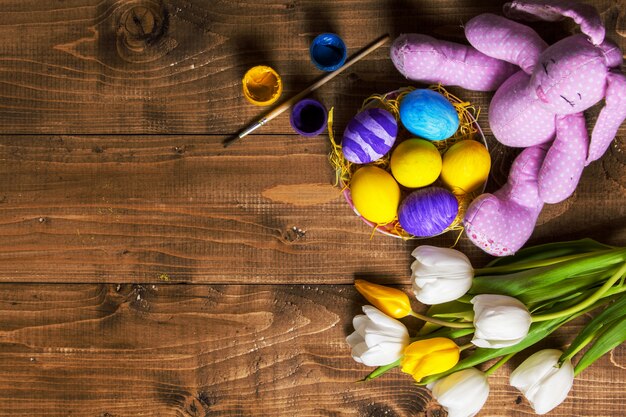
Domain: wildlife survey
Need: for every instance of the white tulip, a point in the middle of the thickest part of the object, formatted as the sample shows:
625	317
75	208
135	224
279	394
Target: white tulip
500	321
543	383
378	339
462	393
440	274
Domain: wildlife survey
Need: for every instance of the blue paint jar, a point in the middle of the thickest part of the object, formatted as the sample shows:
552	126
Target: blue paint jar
328	52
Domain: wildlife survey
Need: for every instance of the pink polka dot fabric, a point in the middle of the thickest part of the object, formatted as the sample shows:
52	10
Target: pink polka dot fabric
427	60
541	93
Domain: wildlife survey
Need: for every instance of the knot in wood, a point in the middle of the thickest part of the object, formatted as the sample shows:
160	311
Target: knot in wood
140	26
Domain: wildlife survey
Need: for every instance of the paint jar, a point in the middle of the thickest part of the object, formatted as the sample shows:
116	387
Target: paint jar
262	85
328	52
308	117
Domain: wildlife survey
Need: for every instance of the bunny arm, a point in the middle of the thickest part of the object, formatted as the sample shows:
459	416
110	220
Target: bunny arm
553	10
611	116
565	160
426	59
504	39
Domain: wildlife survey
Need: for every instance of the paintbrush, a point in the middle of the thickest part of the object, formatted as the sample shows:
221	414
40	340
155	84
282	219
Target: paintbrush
317	84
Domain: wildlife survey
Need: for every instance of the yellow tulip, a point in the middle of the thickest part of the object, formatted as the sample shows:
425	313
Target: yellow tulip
390	301
429	357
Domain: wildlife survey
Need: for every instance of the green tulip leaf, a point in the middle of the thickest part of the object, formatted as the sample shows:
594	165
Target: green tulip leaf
615	311
549	251
613	336
541	284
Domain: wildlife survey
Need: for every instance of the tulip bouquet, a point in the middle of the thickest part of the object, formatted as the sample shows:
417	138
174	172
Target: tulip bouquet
501	309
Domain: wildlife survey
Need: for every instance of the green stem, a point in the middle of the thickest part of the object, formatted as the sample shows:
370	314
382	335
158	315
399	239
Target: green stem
533	264
498	364
580	347
381	370
462	348
589	301
433	320
615	290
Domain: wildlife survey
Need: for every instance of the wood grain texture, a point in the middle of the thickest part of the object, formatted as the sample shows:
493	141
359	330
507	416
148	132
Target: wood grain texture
115	190
175	66
234	350
137	208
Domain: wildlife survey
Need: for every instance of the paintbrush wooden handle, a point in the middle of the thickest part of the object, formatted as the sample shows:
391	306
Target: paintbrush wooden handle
281	108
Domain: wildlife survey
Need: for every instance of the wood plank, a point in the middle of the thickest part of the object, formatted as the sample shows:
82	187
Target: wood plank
172	350
148	208
89	67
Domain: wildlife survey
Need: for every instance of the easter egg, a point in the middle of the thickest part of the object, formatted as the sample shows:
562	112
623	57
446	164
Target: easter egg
428	211
429	115
375	194
465	166
415	163
369	136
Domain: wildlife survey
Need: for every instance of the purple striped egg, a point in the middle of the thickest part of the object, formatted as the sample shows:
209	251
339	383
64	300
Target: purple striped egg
369	136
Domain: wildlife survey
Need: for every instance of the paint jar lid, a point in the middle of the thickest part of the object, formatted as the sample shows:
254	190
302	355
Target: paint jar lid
328	51
308	117
262	85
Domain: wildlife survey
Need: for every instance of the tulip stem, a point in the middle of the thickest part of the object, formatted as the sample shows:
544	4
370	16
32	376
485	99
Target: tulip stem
454	325
498	364
589	301
381	370
578	348
533	264
464	347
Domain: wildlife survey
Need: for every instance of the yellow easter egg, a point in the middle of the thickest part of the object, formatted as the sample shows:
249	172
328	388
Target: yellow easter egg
416	163
466	166
375	194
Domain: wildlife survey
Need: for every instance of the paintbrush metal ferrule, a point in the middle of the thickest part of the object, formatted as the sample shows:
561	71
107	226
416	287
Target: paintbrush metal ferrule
245	132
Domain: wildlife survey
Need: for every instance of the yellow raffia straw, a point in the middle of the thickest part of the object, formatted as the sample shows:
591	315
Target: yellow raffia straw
344	169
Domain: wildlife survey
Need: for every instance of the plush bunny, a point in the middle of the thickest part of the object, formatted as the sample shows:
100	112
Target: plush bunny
541	93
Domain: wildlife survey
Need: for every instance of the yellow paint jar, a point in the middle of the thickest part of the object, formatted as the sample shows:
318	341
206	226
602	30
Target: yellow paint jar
262	85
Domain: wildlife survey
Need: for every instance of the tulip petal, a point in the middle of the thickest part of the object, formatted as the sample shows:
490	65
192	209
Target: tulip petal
499	320
378	339
462	393
359	323
358	350
440	274
443	290
542	383
381	355
382	320
373	337
429	356
354	339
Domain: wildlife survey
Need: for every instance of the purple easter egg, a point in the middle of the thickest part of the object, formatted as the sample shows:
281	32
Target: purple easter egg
369	136
428	211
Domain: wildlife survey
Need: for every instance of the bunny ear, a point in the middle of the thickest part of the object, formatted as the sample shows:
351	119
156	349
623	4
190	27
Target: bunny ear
551	11
611	116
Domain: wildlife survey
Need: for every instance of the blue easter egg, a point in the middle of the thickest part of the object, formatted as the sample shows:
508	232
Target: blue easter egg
369	136
428	211
429	115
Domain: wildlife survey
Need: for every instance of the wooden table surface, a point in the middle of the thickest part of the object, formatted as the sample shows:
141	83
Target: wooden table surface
147	271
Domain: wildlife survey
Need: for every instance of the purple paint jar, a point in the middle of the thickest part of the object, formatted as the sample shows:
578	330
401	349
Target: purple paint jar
308	117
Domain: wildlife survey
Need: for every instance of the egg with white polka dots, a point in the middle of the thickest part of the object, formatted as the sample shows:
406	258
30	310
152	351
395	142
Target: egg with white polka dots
369	136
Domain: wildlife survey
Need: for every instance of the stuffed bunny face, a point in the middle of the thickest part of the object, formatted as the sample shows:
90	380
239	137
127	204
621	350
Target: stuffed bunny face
570	76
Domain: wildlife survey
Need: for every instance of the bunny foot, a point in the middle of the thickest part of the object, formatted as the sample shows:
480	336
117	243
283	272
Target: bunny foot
501	223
